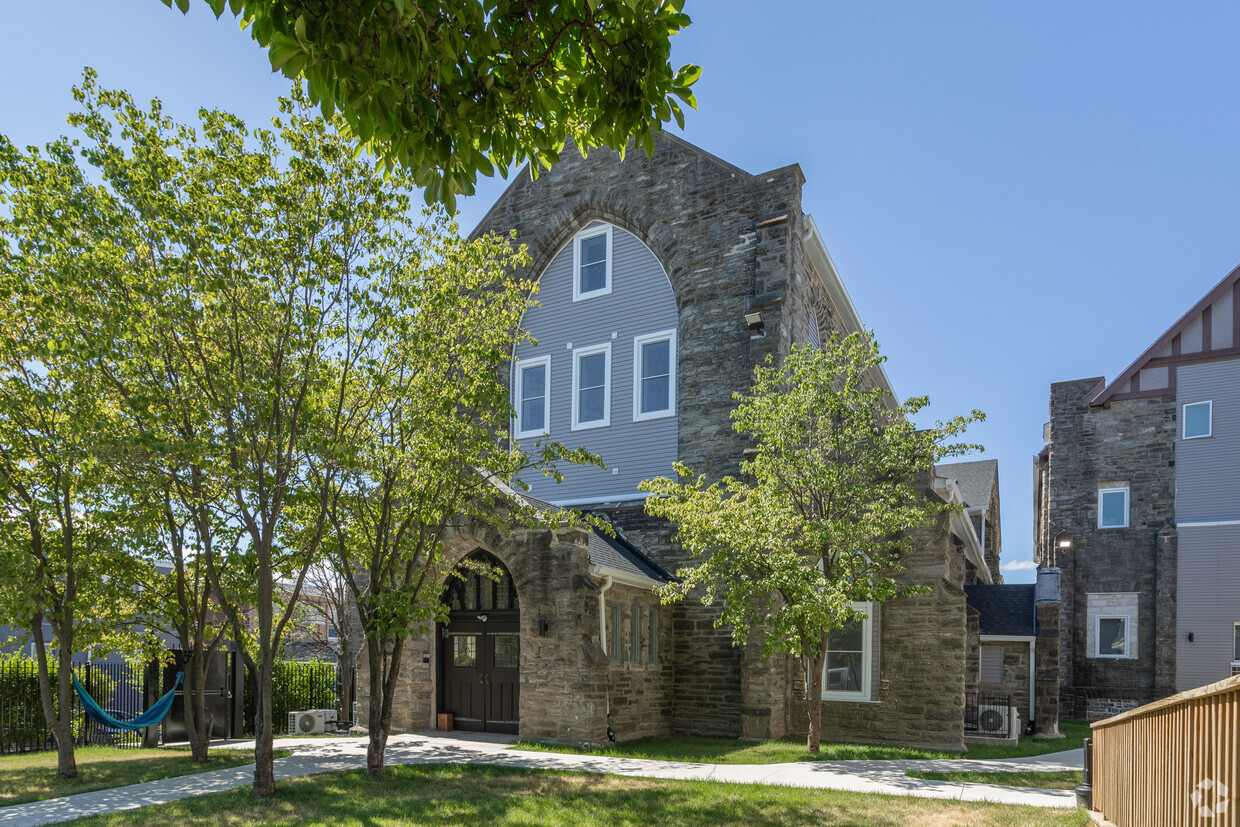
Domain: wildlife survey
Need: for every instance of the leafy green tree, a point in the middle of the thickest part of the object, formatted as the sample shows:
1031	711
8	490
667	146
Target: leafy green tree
453	88
69	543
820	515
425	451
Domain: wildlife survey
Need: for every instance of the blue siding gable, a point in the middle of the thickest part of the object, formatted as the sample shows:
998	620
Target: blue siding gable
640	303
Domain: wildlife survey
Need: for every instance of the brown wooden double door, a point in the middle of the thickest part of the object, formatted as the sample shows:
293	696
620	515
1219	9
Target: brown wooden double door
480	656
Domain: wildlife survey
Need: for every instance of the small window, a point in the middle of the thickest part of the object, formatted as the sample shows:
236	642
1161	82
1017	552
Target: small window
1113	507
1112	637
652	652
991	658
617	635
332	634
592	387
1238	642
465	651
1198	419
534	397
847	666
654	375
592	263
635	636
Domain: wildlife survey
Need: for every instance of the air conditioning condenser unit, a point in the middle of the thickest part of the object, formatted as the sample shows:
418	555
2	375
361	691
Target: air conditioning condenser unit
310	721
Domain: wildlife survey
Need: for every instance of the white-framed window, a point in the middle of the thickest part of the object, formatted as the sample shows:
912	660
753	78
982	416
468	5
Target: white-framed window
1198	419
592	262
991	664
533	392
592	387
1111	636
654	375
1113	507
332	634
846	670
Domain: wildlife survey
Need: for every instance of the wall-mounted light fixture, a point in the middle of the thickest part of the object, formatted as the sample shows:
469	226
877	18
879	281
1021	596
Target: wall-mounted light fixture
1063	543
756	326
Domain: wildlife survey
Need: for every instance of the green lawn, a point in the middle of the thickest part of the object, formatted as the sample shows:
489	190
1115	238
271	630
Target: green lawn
1067	780
472	796
736	751
32	777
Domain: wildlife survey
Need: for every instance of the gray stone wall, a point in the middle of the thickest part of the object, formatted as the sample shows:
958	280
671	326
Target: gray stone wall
1133	442
1046	671
1016	675
919	700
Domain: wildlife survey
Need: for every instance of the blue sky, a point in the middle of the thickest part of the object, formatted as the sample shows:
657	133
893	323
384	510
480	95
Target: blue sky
1014	194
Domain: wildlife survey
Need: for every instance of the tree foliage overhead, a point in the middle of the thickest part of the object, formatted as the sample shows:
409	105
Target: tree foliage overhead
453	88
820	516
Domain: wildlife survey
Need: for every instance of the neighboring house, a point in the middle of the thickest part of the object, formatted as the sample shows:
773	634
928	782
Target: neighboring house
1138	506
663	282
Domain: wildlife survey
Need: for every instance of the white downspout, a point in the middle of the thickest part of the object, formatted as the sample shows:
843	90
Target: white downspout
602	613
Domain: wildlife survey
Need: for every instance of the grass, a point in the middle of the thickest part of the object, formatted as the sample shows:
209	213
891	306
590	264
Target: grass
735	751
503	797
32	777
1066	780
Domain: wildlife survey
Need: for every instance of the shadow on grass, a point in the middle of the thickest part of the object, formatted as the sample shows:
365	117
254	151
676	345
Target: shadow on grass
478	795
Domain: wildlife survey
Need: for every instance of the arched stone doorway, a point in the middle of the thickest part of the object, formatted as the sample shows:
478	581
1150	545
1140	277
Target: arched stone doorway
480	650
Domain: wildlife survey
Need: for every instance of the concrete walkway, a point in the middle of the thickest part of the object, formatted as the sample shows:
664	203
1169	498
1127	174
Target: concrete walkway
334	754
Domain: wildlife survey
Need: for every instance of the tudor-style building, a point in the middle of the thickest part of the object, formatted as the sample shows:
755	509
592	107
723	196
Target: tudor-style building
663	281
1138	507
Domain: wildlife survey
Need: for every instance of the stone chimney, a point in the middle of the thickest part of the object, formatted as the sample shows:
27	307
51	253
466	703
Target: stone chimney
1046	669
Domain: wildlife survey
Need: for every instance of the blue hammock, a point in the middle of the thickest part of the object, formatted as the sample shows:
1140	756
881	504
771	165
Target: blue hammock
149	718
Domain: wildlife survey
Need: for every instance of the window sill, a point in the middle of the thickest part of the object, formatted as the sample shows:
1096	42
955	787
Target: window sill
1112	657
848	698
646	417
589	426
529	434
593	294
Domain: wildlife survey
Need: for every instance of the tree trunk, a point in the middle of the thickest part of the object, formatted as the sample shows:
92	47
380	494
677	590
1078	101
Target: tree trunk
59	721
264	749
813	699
197	727
377	744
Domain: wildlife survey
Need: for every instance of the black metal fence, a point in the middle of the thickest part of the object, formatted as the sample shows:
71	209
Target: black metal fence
988	714
297	687
117	687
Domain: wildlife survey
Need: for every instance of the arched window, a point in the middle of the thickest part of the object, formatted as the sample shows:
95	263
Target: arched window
471	590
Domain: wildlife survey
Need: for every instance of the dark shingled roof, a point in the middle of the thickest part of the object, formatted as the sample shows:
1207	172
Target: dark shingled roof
976	479
619	554
1004	610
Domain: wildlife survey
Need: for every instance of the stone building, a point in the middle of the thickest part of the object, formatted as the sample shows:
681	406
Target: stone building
663	282
1138	507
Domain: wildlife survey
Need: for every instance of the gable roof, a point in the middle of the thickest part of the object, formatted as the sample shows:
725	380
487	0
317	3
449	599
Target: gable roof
976	480
618	556
1006	610
1209	331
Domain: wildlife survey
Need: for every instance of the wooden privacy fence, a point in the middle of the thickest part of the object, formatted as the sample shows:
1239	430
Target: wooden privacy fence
1172	762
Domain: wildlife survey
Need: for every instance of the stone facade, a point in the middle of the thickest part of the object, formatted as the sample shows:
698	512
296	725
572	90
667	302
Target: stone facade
730	243
1130	443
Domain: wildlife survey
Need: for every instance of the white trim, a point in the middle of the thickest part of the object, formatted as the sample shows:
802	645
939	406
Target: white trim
518	429
1127	505
1208	524
650	338
867	654
591	350
1005	638
634	497
1098	637
590	232
1209	403
624	577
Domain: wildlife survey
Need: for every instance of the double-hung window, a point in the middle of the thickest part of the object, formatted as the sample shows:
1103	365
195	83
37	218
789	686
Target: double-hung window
654	375
1198	419
1113	507
592	387
846	670
533	397
592	262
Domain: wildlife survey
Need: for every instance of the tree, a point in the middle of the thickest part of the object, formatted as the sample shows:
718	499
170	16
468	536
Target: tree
426	450
69	545
821	512
453	88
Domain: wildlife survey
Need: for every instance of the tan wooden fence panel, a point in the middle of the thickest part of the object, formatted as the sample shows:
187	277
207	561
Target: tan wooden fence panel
1173	762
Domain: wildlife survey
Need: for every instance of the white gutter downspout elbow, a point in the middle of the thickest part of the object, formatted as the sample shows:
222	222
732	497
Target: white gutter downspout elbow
602	613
